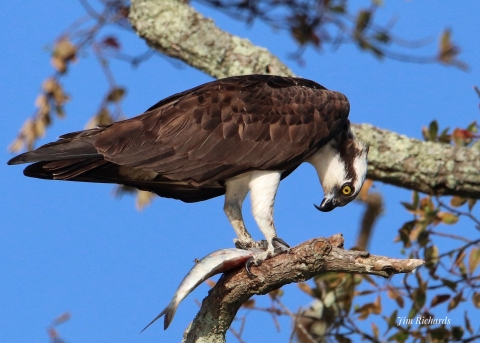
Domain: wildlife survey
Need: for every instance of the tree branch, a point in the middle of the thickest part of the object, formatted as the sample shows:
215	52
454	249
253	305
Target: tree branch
318	255
429	167
177	30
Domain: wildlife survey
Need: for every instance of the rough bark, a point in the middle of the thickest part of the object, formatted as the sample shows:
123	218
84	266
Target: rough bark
429	167
177	30
303	262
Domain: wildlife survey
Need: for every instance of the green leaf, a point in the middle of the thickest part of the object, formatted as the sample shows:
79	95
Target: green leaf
363	20
473	260
467	323
342	339
447	218
338	9
473	127
392	320
383	37
440	334
450	284
444	137
415	199
433	130
423	238
409	207
419	298
116	94
59	111
471	202
431	256
455	301
400	337
457	333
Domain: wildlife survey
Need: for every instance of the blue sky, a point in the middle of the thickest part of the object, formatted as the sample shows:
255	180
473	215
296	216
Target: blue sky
73	247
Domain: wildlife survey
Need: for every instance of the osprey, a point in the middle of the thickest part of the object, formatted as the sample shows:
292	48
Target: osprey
231	136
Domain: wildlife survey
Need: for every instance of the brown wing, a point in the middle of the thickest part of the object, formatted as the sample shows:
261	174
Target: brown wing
227	127
186	145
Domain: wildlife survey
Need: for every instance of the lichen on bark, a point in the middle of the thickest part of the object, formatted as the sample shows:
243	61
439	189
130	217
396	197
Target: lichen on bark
177	30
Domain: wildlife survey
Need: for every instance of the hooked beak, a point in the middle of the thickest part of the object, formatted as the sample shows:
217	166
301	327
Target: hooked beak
327	205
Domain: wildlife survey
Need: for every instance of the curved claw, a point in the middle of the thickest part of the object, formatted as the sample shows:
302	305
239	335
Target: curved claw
263	244
280	245
248	264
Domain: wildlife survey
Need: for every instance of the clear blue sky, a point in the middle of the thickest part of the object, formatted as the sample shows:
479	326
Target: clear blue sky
73	247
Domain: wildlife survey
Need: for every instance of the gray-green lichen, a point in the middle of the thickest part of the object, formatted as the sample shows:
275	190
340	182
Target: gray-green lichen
429	167
177	30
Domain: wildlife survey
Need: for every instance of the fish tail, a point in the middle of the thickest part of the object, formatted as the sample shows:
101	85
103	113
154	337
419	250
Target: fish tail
168	311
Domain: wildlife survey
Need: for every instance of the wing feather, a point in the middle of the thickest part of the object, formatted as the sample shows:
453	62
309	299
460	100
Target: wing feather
207	134
235	124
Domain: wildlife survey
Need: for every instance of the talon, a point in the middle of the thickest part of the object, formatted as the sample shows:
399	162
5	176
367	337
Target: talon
280	246
262	244
242	245
247	245
248	264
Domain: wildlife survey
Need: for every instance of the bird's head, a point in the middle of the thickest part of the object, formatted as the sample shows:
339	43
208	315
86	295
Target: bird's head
342	168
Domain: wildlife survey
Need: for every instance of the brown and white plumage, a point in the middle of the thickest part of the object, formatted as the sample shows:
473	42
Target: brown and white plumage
191	145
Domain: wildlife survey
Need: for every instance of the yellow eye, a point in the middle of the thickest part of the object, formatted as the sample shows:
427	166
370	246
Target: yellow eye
347	190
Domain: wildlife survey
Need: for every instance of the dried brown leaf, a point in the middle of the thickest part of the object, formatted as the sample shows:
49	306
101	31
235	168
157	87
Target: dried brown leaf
59	64
211	283
50	86
116	94
438	299
16	145
394	294
375	330
144	198
426	204
457	201
460	257
365	188
306	288
250	303
467	323
476	299
62	318
277	293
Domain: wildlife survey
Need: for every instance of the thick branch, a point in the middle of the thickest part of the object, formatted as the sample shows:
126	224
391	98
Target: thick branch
303	262
177	30
432	168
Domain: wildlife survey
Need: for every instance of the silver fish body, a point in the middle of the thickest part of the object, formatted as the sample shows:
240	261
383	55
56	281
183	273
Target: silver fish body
214	263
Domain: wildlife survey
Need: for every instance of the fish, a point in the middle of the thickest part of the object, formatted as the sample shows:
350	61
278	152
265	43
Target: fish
214	263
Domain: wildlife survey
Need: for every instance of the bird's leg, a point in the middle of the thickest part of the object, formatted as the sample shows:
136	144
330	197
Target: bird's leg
235	194
263	187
